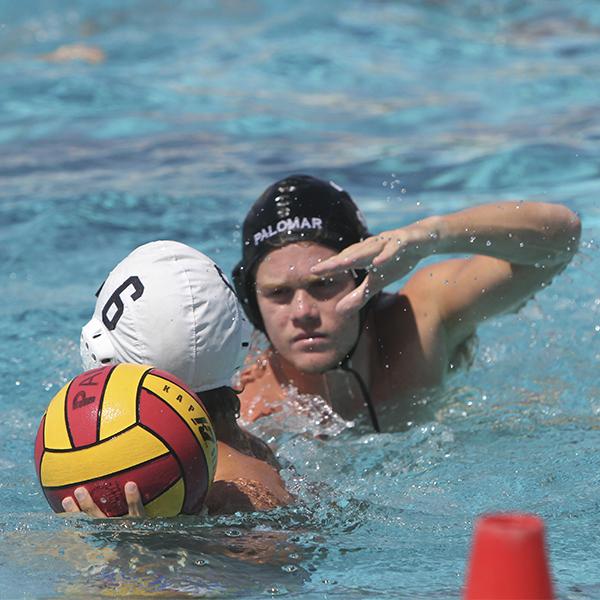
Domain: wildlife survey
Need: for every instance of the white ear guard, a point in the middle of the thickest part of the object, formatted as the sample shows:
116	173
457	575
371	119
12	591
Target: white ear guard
95	348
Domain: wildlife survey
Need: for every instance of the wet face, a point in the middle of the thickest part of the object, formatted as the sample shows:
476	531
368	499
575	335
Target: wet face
298	308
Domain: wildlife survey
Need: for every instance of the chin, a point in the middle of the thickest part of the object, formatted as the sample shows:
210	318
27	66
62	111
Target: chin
316	362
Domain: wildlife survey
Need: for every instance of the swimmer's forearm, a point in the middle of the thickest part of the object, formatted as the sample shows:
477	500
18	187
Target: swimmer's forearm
525	233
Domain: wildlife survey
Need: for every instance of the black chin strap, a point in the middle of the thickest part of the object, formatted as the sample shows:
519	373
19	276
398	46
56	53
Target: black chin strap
345	366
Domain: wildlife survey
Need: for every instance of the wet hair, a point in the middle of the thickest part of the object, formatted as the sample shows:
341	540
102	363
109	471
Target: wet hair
221	402
224	403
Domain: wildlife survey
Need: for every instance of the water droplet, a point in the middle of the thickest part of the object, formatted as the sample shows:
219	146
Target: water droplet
488	243
289	568
233	533
521	244
277	590
472	239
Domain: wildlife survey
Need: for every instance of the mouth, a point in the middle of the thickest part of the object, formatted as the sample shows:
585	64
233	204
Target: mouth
306	337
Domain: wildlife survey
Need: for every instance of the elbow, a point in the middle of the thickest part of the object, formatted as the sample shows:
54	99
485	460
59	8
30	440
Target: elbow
573	230
562	234
569	234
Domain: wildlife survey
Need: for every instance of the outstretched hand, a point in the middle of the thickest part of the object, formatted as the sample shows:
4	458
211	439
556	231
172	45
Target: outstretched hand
387	257
90	508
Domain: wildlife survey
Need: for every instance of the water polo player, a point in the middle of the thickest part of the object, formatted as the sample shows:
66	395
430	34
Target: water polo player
170	306
311	278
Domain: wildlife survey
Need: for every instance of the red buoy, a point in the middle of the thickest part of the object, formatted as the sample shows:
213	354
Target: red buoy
508	559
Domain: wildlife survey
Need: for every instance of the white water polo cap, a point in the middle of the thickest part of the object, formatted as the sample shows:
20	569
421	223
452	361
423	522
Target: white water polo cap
169	306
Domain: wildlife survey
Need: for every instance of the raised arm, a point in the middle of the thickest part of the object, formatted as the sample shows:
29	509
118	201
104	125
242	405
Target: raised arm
523	233
518	247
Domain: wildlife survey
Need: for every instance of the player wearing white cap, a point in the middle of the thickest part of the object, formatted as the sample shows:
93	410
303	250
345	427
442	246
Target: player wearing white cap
170	306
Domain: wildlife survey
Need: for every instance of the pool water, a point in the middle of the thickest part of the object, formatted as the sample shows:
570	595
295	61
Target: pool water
416	108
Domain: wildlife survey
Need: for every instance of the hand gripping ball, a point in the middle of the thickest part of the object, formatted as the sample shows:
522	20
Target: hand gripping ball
127	423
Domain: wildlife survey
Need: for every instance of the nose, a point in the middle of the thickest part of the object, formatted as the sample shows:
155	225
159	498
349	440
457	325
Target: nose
305	311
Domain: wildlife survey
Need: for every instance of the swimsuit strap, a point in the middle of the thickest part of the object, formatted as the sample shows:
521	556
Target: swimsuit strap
345	365
365	393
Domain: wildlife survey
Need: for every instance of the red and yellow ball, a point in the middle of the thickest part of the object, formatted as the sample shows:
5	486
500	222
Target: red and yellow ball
124	423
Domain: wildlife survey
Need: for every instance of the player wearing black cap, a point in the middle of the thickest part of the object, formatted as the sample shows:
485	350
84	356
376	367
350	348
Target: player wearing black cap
298	208
311	279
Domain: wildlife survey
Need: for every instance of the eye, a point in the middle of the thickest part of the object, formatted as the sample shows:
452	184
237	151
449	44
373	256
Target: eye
277	294
324	283
327	287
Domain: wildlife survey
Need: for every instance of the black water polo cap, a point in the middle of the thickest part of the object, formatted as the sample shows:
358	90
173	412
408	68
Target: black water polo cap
295	209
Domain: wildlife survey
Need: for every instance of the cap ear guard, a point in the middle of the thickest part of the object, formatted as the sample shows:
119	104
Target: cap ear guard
95	346
246	337
247	296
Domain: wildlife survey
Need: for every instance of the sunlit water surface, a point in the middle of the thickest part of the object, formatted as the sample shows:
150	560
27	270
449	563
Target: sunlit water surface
415	107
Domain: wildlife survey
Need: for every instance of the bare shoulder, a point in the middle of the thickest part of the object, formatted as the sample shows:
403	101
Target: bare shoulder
447	296
409	342
409	316
430	281
261	393
244	483
240	495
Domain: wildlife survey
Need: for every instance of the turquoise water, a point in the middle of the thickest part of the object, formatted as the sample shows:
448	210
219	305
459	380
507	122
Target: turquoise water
416	108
